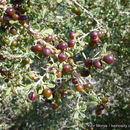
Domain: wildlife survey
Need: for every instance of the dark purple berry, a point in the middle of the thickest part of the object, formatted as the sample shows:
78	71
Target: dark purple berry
10	11
62	46
49	38
93	34
71	43
88	62
66	68
62	57
22	19
31	96
33	49
96	40
97	64
46	52
109	59
100	107
6	18
85	73
38	48
57	46
71	35
75	81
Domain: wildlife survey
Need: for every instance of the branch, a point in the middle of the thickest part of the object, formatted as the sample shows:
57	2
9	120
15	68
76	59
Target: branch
54	50
38	37
86	11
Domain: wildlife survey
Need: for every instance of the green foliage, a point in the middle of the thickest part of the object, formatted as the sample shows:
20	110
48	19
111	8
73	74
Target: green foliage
24	70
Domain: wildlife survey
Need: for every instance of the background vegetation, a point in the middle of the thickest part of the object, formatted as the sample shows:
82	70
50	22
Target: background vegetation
57	18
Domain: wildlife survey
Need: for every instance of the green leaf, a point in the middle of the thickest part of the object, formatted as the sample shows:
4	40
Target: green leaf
83	115
84	55
92	103
51	97
93	97
47	75
28	87
70	97
48	31
36	26
8	91
104	49
84	107
60	67
12	21
68	54
51	85
76	115
44	12
40	91
59	1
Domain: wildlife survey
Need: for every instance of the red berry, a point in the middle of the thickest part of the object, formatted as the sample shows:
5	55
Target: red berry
62	57
88	86
46	52
75	81
98	112
97	64
71	43
57	46
85	73
100	33
16	6
76	11
59	74
93	34
62	46
6	18
45	66
22	19
79	88
96	40
13	31
31	96
71	35
100	107
15	16
10	11
33	49
21	11
54	106
38	48
66	68
70	61
88	62
49	38
109	59
92	44
47	92
104	100
54	68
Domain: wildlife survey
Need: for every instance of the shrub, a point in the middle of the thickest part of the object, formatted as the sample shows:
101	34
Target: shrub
63	64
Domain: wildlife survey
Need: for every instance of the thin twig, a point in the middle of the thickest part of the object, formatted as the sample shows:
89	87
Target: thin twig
86	11
82	37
